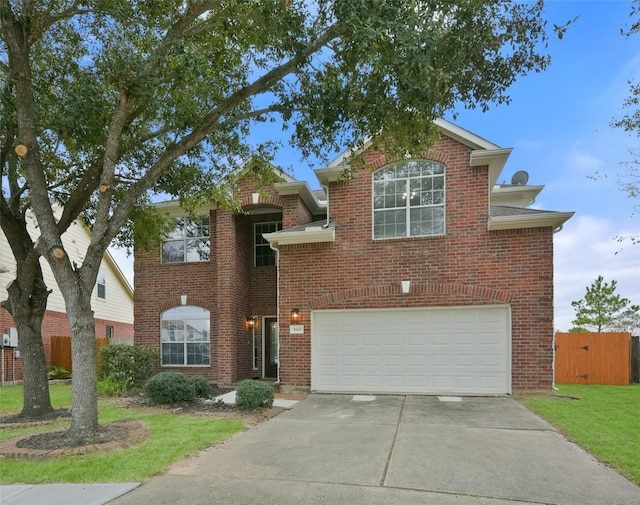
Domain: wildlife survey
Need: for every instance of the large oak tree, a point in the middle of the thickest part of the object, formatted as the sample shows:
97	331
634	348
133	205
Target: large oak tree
115	99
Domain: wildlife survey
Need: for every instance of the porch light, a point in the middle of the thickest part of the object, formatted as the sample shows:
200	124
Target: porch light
295	314
251	321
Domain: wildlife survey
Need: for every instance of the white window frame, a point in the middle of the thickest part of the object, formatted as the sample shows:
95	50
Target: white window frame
277	227
101	285
411	197
180	235
175	329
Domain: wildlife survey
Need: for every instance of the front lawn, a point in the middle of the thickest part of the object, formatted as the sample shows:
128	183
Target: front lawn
605	422
171	437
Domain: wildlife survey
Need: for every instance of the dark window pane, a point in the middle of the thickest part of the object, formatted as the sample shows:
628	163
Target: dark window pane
173	354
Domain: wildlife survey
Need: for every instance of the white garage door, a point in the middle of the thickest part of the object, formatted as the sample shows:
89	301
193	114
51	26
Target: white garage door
461	350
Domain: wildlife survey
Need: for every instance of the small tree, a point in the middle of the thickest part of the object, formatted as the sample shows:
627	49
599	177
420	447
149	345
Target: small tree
602	309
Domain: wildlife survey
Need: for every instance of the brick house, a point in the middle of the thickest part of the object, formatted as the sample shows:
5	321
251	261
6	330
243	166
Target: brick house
416	275
111	301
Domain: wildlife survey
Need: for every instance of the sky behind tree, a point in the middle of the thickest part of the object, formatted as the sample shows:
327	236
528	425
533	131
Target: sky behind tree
558	124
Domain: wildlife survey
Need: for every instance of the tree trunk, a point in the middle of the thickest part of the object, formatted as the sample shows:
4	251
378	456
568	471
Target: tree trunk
84	413
28	312
37	402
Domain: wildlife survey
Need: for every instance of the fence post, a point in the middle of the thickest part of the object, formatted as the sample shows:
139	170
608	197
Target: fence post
635	358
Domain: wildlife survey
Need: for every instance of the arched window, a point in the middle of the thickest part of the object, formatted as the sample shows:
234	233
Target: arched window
185	337
409	200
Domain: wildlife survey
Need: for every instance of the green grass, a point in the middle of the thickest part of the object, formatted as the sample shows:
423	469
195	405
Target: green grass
171	437
605	422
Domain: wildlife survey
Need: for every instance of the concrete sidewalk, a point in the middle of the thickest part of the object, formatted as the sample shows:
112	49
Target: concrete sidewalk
63	494
392	449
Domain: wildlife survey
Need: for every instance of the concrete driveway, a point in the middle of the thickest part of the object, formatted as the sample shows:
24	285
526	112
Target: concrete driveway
392	449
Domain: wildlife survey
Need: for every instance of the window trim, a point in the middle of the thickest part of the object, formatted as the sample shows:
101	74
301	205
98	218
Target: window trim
407	207
101	282
184	239
278	227
185	341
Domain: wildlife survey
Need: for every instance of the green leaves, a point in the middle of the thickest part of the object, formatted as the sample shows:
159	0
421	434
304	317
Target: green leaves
153	96
602	309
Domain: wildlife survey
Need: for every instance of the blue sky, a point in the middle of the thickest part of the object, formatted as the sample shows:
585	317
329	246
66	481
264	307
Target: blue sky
558	125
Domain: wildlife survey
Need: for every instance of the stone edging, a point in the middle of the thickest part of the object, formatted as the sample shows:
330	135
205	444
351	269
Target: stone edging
137	433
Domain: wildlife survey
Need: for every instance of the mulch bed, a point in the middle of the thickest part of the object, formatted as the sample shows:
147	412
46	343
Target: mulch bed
58	443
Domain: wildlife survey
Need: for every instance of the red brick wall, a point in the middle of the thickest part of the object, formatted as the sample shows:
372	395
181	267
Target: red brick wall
468	266
159	287
229	286
57	324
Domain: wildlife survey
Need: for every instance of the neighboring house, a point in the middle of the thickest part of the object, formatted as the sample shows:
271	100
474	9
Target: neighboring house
416	275
111	300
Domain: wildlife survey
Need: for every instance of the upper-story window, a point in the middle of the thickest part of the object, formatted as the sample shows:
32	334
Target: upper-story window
264	255
409	200
102	285
184	336
189	241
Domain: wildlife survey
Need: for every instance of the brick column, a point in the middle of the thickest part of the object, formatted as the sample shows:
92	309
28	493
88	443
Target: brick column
225	319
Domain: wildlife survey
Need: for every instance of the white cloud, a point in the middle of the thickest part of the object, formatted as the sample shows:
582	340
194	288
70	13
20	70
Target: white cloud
585	249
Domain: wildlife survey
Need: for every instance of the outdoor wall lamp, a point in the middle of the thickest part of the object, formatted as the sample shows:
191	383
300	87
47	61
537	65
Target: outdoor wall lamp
295	314
251	321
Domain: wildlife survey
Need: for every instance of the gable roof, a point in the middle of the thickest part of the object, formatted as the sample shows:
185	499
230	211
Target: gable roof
483	152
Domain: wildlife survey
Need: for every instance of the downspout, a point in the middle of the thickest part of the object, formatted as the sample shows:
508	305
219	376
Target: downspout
326	190
275	248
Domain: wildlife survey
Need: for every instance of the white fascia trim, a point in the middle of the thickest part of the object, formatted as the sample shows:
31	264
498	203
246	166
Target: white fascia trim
515	196
555	220
464	136
302	189
329	174
310	235
175	210
495	158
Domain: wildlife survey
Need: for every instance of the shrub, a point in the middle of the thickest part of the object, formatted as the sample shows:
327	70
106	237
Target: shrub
111	387
203	388
170	387
252	394
127	364
58	372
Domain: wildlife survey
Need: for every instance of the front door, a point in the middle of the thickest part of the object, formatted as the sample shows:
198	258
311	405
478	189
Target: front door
270	347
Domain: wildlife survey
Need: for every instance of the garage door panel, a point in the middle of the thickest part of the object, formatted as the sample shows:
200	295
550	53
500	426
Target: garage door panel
454	350
490	361
374	360
443	339
393	360
419	360
327	360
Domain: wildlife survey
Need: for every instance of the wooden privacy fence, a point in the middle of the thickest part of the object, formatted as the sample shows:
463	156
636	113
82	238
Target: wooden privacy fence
593	358
61	351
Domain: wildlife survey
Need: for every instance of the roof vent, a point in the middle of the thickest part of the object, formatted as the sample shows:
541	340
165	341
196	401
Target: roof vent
520	178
